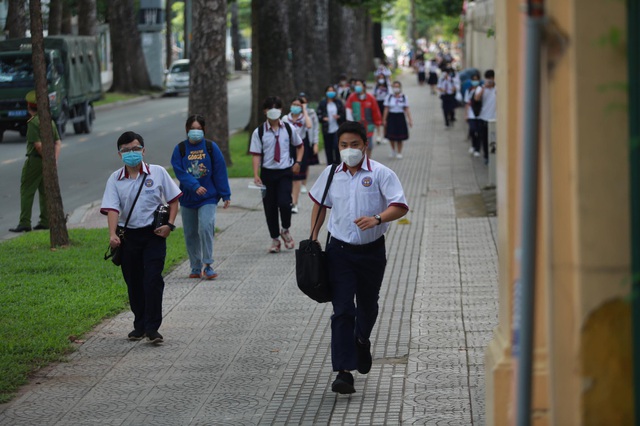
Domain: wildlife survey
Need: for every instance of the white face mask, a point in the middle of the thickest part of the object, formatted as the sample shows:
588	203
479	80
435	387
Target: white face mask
397	90
351	156
274	113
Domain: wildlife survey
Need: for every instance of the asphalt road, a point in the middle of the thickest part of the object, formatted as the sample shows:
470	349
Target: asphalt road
86	161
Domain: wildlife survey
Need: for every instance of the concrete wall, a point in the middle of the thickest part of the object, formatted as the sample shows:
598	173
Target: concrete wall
480	40
583	369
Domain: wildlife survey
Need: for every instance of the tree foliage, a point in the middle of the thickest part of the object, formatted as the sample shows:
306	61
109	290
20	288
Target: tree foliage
433	17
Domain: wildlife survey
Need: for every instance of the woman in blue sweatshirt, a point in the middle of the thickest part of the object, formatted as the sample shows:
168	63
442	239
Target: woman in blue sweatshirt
200	167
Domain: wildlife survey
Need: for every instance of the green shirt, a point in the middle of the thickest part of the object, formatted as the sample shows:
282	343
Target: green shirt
33	133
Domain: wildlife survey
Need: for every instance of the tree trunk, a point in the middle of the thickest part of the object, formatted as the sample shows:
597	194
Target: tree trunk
343	41
129	67
235	37
208	70
58	228
378	50
271	55
16	26
67	14
319	38
55	17
87	17
169	34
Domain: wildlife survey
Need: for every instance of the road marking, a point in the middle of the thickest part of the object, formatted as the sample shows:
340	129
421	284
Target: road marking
13	160
149	120
135	123
102	134
81	140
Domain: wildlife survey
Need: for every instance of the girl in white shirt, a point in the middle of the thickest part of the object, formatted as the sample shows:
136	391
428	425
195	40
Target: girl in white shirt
395	119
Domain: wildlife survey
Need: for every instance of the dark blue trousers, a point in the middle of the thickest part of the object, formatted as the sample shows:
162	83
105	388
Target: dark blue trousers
143	255
277	198
354	273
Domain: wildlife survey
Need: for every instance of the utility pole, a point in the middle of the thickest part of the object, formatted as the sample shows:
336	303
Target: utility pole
188	27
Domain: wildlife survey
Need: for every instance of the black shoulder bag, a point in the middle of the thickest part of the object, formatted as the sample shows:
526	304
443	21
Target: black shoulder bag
115	254
312	271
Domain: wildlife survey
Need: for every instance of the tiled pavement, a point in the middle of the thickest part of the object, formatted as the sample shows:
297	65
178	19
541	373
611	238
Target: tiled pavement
250	349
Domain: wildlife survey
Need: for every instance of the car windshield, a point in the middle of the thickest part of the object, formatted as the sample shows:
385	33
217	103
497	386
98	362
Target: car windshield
17	70
177	68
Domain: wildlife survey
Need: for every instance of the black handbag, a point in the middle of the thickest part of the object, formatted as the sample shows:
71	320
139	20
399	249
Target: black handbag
312	271
115	254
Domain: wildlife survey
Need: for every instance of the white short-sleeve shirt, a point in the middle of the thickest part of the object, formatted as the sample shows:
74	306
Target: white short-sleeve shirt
396	103
121	190
267	147
370	191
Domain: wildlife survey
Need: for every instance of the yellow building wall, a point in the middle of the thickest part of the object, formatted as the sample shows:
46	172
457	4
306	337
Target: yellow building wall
583	367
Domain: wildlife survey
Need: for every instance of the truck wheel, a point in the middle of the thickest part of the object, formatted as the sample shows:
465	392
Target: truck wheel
87	124
62	121
1	134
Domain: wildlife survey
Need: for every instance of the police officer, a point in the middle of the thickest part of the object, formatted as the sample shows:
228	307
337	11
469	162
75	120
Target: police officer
364	197
144	247
31	180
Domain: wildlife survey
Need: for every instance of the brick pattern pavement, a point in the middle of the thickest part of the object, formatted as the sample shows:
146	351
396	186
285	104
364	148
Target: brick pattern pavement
249	348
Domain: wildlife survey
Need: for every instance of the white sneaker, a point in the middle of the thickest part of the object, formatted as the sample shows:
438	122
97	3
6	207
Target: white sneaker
476	154
399	156
392	154
294	208
471	150
303	189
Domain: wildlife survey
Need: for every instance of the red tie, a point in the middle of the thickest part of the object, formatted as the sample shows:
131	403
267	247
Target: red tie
276	154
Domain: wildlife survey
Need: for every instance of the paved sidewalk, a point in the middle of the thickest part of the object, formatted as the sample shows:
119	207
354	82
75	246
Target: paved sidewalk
250	349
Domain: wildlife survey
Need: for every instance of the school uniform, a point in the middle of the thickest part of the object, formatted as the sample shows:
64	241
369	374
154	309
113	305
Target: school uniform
330	127
363	108
421	68
448	89
356	259
487	113
300	127
397	129
474	125
433	74
143	252
380	93
275	173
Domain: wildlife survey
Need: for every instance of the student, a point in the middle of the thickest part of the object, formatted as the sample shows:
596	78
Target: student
144	247
273	167
380	92
447	88
343	88
433	76
31	178
314	137
364	197
472	120
331	114
200	167
421	70
395	119
300	121
363	108
487	94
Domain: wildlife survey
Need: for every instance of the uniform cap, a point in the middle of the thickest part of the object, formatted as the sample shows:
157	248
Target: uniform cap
31	98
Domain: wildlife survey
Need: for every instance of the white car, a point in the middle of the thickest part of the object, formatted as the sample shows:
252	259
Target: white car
177	78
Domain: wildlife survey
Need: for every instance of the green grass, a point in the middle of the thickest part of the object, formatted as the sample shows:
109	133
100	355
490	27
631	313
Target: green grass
48	296
110	98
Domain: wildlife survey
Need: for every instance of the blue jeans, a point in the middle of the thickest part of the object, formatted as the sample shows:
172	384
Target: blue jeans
199	228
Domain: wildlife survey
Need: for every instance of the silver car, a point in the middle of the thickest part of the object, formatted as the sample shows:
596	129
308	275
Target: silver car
177	78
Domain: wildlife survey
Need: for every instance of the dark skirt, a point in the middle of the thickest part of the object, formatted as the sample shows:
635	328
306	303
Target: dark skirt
381	107
397	127
421	77
304	164
433	78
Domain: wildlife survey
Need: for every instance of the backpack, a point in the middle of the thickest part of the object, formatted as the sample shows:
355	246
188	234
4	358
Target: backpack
289	132
183	149
476	106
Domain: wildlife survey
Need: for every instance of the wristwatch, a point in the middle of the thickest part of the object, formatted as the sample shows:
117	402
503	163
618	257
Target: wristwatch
171	226
377	216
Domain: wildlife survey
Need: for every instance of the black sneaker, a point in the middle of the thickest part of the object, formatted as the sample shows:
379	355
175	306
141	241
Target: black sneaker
343	383
154	337
136	335
363	351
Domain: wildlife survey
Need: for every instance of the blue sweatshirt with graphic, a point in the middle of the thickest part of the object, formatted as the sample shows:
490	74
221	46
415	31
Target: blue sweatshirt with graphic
197	168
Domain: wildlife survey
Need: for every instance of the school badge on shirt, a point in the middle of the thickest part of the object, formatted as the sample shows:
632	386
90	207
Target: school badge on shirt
148	183
367	181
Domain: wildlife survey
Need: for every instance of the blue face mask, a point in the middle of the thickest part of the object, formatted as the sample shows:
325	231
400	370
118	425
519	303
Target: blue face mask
132	158
195	135
475	83
296	109
331	95
358	89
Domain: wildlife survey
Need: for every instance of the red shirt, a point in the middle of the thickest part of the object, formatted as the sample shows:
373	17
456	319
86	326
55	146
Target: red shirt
365	111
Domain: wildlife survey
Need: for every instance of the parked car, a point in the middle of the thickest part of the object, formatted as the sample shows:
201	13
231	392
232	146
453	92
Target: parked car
177	78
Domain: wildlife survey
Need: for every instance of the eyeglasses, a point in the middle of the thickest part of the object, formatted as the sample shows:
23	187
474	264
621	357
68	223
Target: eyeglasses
134	149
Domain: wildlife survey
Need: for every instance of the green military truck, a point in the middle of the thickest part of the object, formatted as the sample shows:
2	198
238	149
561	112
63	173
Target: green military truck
73	77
